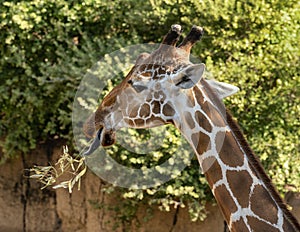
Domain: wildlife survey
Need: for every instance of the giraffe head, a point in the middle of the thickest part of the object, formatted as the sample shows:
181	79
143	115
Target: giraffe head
153	92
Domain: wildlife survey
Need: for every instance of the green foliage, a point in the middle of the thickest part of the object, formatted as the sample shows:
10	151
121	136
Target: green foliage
48	45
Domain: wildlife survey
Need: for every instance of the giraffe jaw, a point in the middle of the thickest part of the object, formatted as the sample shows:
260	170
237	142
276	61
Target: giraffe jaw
103	137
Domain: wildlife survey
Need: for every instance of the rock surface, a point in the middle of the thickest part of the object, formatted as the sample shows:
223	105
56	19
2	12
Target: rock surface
25	207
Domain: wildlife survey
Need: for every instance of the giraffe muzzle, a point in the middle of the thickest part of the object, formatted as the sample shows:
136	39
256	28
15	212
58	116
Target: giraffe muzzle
104	138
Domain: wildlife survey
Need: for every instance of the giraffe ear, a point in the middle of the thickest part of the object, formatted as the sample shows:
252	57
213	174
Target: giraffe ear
223	89
190	76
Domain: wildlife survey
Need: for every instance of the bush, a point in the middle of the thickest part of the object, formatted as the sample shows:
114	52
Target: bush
47	46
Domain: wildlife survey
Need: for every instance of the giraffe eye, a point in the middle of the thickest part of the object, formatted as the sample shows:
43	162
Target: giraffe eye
139	88
130	82
184	79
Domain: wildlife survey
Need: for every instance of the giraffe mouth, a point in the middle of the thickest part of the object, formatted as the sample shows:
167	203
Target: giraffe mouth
108	138
103	137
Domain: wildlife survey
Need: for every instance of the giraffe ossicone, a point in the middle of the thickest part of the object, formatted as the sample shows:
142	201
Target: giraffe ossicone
165	87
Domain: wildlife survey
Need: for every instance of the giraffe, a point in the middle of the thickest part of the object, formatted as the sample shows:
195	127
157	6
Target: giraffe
165	87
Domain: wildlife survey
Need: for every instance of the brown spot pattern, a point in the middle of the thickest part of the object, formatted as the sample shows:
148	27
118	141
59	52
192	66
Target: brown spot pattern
153	118
240	183
263	205
227	147
156	95
203	121
144	111
161	70
195	139
139	122
147	74
258	225
225	201
199	96
134	112
156	107
168	110
129	122
191	100
239	226
160	96
189	119
212	169
213	114
201	142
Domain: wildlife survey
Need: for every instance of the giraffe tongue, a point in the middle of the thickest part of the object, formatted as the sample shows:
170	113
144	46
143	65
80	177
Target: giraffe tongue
95	144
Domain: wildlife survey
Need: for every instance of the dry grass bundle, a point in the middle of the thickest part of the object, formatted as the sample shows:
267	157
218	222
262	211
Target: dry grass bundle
67	167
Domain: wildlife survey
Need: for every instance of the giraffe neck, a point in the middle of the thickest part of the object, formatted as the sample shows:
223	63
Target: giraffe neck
244	193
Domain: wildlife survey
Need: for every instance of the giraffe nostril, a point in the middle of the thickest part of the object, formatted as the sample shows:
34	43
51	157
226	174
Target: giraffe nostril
109	138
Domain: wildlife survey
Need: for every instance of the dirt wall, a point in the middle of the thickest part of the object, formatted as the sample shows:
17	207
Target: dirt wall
24	207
